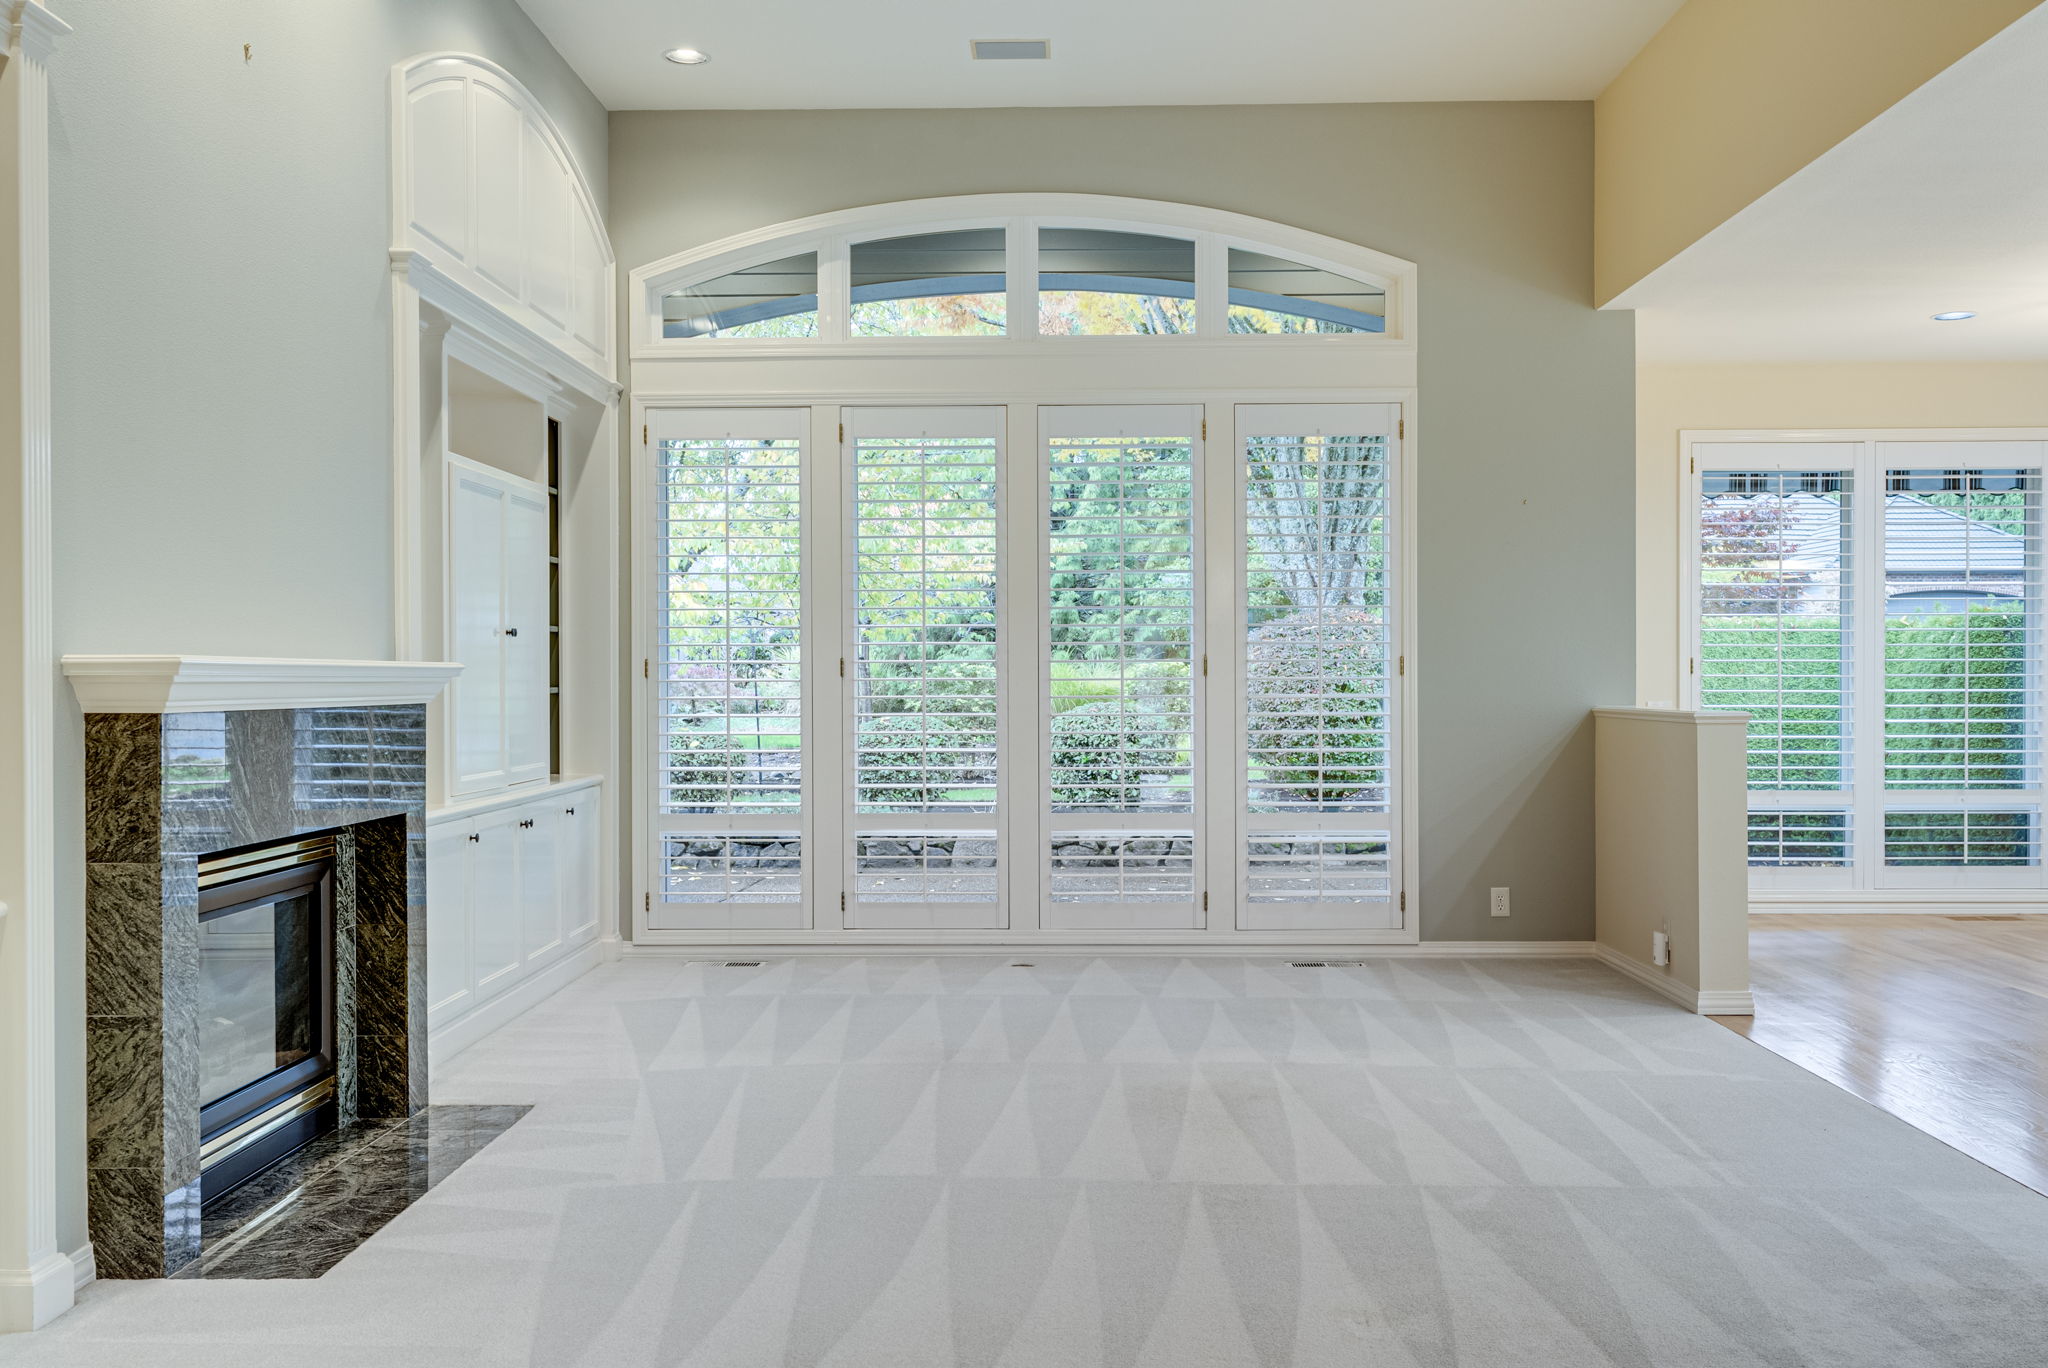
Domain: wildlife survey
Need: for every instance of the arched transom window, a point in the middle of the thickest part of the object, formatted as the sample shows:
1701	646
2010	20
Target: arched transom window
1046	266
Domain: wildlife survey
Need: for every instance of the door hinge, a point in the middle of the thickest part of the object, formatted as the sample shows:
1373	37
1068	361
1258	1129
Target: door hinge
646	668
1205	429
842	902
1691	665
842	432
1205	901
1401	430
646	902
842	667
643	434
1205	664
1401	665
1692	465
1404	900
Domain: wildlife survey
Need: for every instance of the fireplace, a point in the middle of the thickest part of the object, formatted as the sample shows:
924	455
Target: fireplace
266	1007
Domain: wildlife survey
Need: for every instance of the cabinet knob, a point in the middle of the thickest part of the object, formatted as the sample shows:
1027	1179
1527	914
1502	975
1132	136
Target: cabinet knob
511	631
474	837
527	823
570	812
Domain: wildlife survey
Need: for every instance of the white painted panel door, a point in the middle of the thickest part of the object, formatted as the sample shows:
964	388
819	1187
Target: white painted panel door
496	910
448	943
576	853
540	892
526	634
476	600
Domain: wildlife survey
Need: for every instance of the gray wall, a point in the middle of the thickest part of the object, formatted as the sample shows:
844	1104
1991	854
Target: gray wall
1527	394
220	293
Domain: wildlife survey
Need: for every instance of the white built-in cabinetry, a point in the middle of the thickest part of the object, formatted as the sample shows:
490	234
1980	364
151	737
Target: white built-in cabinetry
513	898
497	576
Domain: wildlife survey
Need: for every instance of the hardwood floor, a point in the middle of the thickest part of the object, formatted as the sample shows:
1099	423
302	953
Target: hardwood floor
1941	1021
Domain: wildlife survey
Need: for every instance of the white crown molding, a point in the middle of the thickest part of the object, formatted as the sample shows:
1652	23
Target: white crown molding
36	29
483	320
178	684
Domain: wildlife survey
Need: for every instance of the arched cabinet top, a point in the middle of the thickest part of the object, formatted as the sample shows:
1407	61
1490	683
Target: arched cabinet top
1015	270
491	208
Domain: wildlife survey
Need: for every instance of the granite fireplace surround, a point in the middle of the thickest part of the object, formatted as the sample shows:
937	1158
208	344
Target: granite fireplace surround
163	789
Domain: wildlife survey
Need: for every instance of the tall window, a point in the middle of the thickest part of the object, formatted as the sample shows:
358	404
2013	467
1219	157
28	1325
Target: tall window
730	655
1318	667
1875	608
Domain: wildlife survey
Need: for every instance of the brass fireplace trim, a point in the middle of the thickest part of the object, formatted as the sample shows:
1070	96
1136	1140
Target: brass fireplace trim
215	870
240	1137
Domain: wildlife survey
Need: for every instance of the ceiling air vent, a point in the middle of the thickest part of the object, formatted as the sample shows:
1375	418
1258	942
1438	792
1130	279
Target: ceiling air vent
1011	49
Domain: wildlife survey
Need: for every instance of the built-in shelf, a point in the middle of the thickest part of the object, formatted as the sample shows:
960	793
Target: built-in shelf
181	683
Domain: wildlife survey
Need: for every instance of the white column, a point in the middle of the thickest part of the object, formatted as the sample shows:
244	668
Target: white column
36	1279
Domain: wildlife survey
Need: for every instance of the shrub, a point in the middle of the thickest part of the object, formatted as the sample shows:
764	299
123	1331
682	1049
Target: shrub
899	761
1102	750
1315	703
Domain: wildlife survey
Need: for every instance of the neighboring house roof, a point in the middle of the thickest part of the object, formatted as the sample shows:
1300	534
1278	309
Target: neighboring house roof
1922	540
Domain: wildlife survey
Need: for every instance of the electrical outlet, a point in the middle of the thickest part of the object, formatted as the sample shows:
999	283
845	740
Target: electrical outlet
1499	905
1660	948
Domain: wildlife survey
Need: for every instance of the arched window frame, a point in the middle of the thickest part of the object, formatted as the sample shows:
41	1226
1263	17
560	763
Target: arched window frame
1214	232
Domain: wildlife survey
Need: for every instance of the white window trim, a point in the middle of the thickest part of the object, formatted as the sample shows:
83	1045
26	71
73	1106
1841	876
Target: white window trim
1864	889
1213	231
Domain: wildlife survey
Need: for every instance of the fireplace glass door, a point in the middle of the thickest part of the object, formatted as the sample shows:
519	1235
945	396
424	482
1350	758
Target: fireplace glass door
266	994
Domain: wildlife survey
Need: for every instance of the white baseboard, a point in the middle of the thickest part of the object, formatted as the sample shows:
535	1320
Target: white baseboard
32	1297
1247	949
1975	906
83	1266
1720	1002
451	1038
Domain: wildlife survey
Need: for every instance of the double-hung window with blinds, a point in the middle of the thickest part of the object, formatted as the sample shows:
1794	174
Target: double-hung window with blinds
1875	607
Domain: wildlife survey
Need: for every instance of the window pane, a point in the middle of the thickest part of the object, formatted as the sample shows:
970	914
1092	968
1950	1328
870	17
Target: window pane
925	627
1775	625
719	867
1121	613
1318	660
731	648
1093	281
1961	606
1799	840
774	299
930	285
1270	294
1965	839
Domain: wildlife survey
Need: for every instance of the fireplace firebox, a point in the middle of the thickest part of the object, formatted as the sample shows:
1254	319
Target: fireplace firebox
266	1007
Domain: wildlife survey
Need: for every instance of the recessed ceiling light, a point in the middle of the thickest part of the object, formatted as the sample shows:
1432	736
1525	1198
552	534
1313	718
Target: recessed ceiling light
1956	317
1010	49
686	56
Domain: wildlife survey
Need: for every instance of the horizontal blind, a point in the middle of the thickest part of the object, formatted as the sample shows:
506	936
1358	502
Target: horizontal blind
729	687
1121	625
1776	619
1961	648
1318	669
924	668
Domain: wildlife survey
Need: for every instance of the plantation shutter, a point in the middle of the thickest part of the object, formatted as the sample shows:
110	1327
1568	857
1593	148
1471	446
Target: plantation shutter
727	670
924	666
1318	612
1122	626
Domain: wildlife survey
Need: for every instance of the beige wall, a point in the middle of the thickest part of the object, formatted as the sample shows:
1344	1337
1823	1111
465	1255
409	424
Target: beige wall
1525	392
1733	96
1671	399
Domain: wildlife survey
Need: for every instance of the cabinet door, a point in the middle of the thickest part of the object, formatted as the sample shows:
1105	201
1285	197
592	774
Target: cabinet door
496	911
476	603
448	945
577	851
526	636
540	893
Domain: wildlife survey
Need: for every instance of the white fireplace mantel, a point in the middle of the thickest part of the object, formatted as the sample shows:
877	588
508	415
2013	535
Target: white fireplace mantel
181	683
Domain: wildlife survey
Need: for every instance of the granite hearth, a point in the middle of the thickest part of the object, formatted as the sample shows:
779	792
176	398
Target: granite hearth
164	788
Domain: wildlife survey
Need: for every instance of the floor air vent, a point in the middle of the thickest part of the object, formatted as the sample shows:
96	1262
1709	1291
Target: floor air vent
1324	964
742	964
